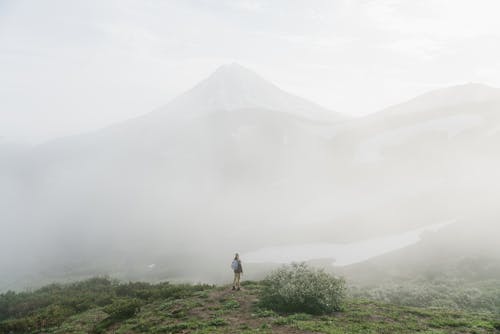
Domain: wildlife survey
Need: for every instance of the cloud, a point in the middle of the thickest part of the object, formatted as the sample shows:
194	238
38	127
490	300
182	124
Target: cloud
88	64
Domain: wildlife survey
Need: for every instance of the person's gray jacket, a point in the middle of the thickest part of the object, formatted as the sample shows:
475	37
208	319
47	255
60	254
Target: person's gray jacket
239	269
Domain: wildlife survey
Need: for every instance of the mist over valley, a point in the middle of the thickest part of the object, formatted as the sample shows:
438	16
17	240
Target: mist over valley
237	164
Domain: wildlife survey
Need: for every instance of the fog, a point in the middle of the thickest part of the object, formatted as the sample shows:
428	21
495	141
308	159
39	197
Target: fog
342	254
236	163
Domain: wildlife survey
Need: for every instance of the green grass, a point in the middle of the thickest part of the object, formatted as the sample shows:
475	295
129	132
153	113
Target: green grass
220	310
443	291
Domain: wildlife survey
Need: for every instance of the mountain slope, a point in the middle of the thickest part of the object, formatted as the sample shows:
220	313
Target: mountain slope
238	164
232	154
428	159
466	251
454	96
456	115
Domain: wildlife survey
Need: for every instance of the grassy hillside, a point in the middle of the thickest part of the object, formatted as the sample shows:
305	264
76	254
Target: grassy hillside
104	306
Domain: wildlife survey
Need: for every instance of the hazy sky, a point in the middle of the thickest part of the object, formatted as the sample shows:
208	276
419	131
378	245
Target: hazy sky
72	66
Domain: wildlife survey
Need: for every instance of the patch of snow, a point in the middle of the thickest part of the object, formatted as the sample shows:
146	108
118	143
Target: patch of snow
343	254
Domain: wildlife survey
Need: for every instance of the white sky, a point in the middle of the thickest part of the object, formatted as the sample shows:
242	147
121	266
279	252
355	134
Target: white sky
72	66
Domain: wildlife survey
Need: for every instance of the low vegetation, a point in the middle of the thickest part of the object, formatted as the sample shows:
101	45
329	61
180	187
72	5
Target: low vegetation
101	305
32	311
449	293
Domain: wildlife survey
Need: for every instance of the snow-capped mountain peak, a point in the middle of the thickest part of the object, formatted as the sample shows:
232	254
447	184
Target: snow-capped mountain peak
234	87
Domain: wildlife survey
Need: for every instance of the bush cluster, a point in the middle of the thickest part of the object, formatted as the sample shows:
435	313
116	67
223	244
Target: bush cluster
445	293
120	309
24	312
299	288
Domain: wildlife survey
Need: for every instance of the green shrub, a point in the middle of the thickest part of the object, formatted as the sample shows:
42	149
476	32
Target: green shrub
230	305
24	325
217	322
263	313
123	308
447	292
298	288
31	311
120	309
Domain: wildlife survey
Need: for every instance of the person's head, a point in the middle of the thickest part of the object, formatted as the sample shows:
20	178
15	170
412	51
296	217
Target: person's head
236	256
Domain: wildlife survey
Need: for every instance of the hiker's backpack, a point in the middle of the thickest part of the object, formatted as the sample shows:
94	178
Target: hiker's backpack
234	265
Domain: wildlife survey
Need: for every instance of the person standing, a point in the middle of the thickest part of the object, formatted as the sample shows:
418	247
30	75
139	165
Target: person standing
238	270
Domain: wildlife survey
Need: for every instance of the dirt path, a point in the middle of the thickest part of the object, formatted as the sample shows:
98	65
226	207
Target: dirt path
242	315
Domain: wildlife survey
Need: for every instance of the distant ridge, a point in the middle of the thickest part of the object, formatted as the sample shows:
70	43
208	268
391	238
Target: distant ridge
447	97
